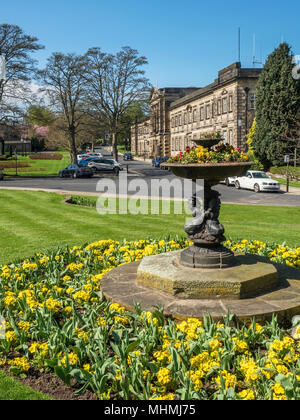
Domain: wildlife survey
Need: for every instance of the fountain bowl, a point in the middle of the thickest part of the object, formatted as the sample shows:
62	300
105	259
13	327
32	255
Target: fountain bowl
211	173
207	142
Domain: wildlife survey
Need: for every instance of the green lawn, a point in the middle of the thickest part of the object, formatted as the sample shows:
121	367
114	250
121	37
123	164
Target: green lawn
37	221
39	167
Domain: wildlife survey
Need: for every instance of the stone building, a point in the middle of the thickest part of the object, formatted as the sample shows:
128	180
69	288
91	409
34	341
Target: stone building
151	136
140	137
179	115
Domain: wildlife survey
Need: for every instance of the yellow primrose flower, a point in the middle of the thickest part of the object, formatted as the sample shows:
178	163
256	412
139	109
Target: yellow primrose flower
164	376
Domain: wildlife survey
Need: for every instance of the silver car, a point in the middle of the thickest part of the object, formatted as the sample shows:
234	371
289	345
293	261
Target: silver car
105	165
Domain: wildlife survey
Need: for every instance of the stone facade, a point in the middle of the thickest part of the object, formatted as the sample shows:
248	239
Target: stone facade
140	137
151	136
179	115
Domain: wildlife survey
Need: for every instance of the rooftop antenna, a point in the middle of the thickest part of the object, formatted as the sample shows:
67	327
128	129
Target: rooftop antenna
239	45
254	60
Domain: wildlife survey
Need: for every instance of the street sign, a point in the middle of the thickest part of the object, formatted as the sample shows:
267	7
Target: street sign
286	158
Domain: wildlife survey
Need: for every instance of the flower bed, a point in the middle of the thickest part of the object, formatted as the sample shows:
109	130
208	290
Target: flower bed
46	156
57	319
221	153
12	164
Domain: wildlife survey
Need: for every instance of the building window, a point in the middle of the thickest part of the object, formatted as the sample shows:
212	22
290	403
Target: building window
252	101
190	116
219	107
173	145
202	113
185	118
176	121
224	105
230	103
207	112
180	119
231	137
225	137
195	115
181	143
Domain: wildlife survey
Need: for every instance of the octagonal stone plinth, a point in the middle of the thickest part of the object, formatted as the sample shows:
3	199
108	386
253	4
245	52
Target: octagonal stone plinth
121	286
248	277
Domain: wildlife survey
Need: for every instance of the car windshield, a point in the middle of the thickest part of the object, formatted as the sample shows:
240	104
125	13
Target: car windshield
260	175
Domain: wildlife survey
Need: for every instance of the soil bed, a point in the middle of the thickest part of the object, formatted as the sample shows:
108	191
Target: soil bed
50	385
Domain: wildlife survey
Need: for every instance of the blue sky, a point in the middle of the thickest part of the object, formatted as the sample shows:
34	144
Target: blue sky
185	42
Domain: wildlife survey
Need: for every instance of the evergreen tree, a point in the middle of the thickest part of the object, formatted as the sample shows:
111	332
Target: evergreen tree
277	107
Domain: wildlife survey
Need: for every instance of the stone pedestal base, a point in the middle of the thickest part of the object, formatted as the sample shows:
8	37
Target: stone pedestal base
121	286
207	257
248	277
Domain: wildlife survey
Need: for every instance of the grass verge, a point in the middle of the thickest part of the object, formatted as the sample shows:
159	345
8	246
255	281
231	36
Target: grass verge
10	389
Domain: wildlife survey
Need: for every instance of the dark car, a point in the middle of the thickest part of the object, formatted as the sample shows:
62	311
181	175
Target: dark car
76	171
1	175
128	156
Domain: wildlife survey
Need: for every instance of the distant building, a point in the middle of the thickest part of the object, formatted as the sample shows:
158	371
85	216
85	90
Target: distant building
18	146
12	139
151	136
15	137
179	115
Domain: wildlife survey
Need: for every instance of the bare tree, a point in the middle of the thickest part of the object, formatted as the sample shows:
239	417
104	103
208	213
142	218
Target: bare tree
16	48
115	82
65	81
291	139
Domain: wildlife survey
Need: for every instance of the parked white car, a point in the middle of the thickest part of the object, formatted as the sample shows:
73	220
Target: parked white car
257	181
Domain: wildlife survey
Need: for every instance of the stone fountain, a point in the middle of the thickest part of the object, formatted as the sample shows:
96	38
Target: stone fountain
207	278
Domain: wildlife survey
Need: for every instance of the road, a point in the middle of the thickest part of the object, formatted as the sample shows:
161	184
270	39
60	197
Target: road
144	170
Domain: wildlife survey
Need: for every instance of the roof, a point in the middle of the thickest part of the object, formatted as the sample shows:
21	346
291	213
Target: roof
225	76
